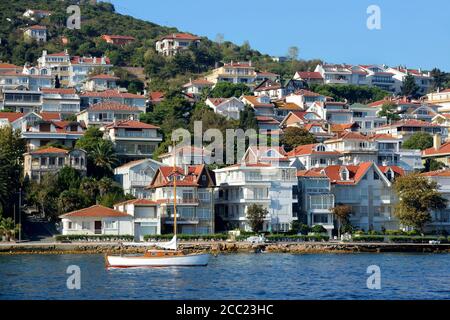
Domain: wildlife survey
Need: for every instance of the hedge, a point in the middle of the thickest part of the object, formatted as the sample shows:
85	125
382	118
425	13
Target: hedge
188	237
368	238
103	237
409	239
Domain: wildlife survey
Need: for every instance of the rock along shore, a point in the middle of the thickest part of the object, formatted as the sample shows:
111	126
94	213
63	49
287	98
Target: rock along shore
222	247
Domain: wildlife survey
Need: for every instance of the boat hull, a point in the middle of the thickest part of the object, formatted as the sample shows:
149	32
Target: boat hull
192	260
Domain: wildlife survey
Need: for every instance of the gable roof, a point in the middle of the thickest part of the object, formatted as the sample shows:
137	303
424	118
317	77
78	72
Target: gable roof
442	150
253	100
111	106
131	124
95	211
189	178
309	149
309	75
180	36
11	116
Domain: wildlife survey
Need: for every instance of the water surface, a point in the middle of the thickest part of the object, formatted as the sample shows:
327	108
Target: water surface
234	276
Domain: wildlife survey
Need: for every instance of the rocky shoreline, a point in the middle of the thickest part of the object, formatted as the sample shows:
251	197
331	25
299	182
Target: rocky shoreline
223	247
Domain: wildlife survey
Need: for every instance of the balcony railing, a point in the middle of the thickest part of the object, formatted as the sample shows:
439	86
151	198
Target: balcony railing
181	201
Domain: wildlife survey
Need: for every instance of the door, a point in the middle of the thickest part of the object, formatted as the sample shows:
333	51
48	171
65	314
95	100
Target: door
98	227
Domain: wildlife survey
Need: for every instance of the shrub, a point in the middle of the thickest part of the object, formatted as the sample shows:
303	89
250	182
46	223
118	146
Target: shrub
368	238
103	237
318	229
318	238
409	239
394	232
187	237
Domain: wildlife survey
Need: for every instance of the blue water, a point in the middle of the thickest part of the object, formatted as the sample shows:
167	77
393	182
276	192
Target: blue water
238	276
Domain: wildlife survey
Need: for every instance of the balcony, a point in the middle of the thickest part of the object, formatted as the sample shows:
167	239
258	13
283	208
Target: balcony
180	201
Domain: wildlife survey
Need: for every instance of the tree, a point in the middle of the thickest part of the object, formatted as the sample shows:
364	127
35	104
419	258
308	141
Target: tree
8	228
419	140
255	215
68	178
417	197
342	214
247	119
433	165
439	78
293	137
104	157
388	111
410	87
12	148
57	82
228	90
71	200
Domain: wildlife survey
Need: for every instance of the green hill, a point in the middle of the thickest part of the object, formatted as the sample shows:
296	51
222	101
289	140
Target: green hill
101	19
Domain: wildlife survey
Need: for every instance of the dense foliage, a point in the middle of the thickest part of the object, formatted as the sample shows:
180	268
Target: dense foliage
419	140
350	93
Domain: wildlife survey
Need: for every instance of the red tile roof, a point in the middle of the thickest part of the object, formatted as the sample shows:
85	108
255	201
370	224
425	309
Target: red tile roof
112	93
267	120
49	150
137	202
11	116
255	102
307	93
198	82
180	36
438	173
37	27
410	123
95	211
189	180
310	75
309	149
156	96
58	91
443	150
48	116
112	106
131	124
110	36
8	66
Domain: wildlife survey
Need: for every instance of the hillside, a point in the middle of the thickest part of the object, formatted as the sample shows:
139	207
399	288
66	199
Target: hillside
102	19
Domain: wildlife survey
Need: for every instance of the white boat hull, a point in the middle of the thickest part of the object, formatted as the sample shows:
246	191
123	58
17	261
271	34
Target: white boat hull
136	262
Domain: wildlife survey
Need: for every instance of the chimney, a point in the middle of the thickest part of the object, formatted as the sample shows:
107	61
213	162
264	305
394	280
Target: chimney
437	141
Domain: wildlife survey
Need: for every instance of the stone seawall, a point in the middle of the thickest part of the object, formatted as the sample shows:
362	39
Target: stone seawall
223	247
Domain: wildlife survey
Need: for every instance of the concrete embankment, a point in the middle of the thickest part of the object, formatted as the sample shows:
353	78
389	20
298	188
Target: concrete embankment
222	247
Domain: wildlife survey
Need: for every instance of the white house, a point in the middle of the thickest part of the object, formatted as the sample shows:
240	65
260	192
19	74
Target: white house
145	215
97	220
440	98
440	219
170	45
37	33
64	101
135	176
197	86
227	107
105	113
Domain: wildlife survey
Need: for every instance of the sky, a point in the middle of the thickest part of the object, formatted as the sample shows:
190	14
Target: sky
414	33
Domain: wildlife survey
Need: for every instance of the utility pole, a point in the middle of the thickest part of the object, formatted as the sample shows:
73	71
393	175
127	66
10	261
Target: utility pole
20	214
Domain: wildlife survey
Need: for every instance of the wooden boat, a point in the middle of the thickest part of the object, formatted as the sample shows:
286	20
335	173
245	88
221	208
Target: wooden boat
170	256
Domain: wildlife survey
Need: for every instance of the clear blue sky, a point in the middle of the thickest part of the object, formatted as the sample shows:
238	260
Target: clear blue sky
414	33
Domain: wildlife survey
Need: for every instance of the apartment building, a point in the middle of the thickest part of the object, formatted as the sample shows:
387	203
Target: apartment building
366	117
309	77
132	139
170	45
194	197
366	188
424	80
441	99
234	72
63	101
315	155
89	98
58	63
22	101
100	82
404	129
105	113
38	163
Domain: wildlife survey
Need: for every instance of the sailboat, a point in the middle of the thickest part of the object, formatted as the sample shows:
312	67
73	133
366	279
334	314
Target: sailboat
169	255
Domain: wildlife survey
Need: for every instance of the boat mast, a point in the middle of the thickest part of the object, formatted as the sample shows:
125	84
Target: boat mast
174	191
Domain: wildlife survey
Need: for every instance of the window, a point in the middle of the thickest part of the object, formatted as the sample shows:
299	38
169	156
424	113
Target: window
376	176
85	225
344	174
320	148
111	224
204	213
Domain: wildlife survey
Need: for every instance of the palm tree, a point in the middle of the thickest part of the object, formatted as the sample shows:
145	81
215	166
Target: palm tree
103	156
8	227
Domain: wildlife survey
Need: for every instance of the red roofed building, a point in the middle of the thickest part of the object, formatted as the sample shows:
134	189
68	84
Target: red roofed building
403	129
113	95
101	82
37	33
366	188
309	77
97	220
227	107
234	72
197	86
313	156
118	40
195	198
133	139
170	45
40	162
